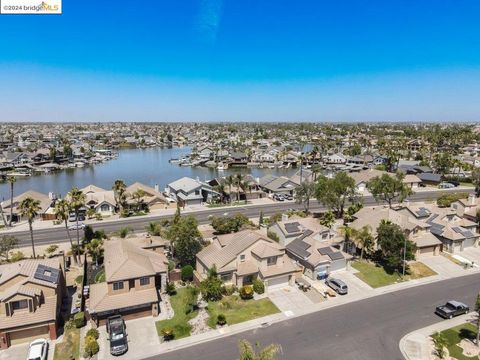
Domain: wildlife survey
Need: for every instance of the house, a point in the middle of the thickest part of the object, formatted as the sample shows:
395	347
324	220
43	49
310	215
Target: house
135	277
289	229
317	258
103	201
467	208
238	159
429	178
416	230
45	204
301	176
335	159
151	196
276	184
412	181
31	293
188	191
361	178
240	257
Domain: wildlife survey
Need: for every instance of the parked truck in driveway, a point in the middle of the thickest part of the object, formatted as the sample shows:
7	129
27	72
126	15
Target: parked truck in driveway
451	309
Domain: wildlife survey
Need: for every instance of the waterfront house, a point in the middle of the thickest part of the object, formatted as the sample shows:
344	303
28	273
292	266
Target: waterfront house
152	197
103	201
45	204
240	257
135	279
277	184
188	191
31	294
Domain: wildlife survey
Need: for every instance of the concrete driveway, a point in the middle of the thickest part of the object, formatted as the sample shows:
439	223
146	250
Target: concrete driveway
471	254
289	299
20	351
441	265
142	336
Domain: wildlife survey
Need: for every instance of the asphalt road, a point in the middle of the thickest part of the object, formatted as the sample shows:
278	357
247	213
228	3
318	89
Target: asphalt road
363	330
59	234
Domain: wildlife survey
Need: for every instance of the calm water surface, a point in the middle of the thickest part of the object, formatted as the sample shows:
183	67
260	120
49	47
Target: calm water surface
148	166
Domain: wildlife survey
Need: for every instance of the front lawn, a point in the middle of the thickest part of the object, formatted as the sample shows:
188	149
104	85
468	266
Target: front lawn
376	276
237	310
455	335
179	323
69	345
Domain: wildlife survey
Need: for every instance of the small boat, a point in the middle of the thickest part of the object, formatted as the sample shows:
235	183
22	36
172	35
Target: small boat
222	167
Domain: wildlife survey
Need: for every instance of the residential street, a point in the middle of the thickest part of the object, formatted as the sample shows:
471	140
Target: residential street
58	234
367	329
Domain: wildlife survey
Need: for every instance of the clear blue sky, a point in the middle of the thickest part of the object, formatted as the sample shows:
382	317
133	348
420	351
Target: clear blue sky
248	60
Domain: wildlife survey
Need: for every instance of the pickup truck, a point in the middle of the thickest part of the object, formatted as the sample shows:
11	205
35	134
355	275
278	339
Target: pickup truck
117	335
451	309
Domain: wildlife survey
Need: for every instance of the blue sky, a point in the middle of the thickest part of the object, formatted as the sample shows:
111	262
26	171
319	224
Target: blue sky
230	60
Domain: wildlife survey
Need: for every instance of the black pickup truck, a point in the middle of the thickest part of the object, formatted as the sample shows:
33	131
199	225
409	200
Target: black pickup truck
117	334
452	309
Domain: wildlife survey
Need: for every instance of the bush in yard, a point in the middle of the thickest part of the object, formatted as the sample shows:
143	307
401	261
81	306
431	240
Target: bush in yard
168	333
79	319
229	290
212	286
187	273
191	300
440	343
258	286
272	235
93	333
246	292
69	324
91	346
171	289
221	319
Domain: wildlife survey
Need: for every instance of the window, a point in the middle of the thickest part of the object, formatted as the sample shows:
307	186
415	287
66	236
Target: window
19	305
105	208
272	260
226	277
118	285
144	281
242	257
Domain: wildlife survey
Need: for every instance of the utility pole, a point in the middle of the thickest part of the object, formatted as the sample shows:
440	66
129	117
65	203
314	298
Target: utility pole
404	254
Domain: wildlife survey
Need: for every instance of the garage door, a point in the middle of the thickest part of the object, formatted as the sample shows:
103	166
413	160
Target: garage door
277	282
338	265
427	250
468	243
28	335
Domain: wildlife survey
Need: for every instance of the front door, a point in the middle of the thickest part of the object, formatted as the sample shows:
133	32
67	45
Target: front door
131	283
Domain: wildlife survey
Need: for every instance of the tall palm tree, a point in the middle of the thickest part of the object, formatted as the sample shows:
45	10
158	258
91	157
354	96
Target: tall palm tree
248	352
119	192
137	197
95	249
238	180
77	201
62	212
229	181
328	220
363	238
220	188
29	208
11	179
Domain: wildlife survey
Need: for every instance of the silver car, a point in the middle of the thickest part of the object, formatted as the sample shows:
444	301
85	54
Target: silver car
338	285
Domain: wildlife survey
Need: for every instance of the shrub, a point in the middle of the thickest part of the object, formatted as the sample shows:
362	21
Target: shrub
187	273
171	265
258	286
51	249
69	324
191	300
168	333
171	289
93	333
228	224
17	256
221	319
79	319
212	286
273	236
246	292
447	199
229	290
91	346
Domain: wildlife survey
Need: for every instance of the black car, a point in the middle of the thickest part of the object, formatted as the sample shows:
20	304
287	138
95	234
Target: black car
451	309
117	335
454	182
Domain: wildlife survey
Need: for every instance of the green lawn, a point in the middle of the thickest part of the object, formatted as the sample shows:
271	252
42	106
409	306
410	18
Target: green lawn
455	335
179	322
69	345
376	276
237	310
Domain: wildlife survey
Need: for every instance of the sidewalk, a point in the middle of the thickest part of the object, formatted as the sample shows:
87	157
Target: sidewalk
418	345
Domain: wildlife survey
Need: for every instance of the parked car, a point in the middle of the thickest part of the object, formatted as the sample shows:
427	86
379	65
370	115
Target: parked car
338	285
38	350
288	197
451	309
454	182
278	197
117	335
80	226
446	185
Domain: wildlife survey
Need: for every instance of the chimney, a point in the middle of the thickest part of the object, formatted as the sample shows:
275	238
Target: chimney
284	217
472	199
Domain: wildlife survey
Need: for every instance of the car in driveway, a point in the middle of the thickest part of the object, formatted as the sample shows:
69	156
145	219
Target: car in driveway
338	285
451	309
80	226
278	197
288	197
38	350
117	335
446	185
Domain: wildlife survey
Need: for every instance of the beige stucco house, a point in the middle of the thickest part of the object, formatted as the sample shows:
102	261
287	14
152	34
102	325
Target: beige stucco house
30	300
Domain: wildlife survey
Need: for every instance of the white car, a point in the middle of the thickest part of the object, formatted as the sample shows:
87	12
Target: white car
81	226
38	350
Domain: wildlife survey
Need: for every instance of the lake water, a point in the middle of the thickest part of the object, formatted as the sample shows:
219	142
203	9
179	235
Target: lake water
148	166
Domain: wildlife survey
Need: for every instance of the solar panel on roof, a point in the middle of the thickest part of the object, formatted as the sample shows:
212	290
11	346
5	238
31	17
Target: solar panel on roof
47	273
325	250
336	255
292	227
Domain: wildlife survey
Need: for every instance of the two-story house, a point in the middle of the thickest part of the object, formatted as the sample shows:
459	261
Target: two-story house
288	229
188	191
135	278
31	294
240	257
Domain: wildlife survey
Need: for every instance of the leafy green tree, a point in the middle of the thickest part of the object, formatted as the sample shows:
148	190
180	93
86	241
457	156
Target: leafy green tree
303	193
443	162
29	208
249	352
334	193
229	224
392	242
211	287
186	239
389	188
51	249
187	273
7	244
137	196
260	219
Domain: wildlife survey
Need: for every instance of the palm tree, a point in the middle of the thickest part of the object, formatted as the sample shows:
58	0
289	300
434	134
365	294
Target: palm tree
303	193
328	220
220	188
154	228
77	201
11	179
137	197
363	238
95	249
238	181
62	212
119	192
229	181
29	208
248	352
316	169
246	186
349	234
